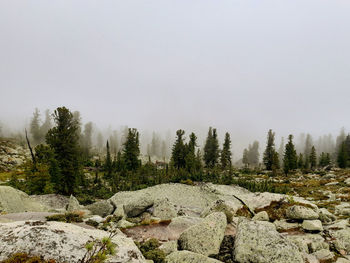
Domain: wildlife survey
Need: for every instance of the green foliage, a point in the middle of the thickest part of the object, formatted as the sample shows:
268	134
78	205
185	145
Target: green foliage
211	149
313	158
98	251
108	163
226	154
179	151
324	160
290	160
150	250
64	141
25	258
270	158
131	150
263	186
67	217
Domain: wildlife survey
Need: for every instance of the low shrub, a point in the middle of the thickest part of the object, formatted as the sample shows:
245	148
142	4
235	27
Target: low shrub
25	258
67	218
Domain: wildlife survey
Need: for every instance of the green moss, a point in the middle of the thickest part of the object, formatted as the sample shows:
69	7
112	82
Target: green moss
67	218
25	258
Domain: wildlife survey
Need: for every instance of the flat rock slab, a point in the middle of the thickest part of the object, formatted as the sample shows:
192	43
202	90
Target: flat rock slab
60	241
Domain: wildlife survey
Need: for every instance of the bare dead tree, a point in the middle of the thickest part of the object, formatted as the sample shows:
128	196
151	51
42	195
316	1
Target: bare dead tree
31	150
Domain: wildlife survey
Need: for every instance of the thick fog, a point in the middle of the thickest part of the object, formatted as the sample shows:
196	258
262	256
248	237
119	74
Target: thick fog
240	66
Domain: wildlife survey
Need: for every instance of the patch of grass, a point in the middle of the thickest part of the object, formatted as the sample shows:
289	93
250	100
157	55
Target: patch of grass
150	250
244	211
67	218
263	186
277	209
92	223
25	258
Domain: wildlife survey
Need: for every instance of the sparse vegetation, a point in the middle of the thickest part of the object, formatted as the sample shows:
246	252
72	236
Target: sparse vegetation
67	218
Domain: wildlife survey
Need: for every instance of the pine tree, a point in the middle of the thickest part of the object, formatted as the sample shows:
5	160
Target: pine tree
35	127
131	150
190	159
269	154
64	140
179	151
245	158
301	161
253	154
313	158
108	163
226	152
343	156
290	156
211	149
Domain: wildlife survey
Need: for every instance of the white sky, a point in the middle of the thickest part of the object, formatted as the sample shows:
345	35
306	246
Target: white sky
241	66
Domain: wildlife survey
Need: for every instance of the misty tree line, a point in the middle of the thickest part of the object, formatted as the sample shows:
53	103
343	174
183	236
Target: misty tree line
62	153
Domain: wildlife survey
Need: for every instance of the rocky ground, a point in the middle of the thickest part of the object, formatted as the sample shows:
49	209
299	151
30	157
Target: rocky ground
201	223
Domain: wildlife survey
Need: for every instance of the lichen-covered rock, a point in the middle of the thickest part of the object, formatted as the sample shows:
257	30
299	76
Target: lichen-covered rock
342	239
181	223
16	201
169	247
312	225
205	238
102	208
124	224
283	225
298	212
326	216
60	241
308	243
188	257
229	208
261	216
52	201
259	242
164	209
324	254
73	204
137	205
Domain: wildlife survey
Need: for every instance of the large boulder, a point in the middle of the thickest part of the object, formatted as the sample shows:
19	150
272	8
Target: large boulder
137	205
228	207
205	238
60	241
188	256
298	212
181	223
73	204
164	209
259	242
102	208
16	201
52	201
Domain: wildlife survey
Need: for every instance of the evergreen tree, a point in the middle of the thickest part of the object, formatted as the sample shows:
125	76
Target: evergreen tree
87	140
179	151
131	150
325	159
108	163
245	157
211	149
226	152
290	156
46	126
343	156
190	158
301	161
64	140
313	158
253	154
269	154
35	127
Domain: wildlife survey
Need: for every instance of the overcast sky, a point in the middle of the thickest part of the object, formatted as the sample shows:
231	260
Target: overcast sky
241	66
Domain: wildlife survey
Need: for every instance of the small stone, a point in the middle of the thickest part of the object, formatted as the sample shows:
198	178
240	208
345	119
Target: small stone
312	225
261	216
